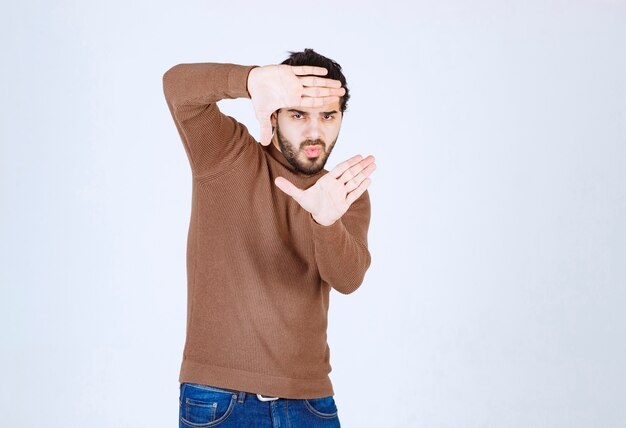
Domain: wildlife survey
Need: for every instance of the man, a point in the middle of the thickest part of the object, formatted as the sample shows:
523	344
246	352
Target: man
271	232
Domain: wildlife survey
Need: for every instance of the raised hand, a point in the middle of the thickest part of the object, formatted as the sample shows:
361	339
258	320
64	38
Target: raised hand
331	196
273	87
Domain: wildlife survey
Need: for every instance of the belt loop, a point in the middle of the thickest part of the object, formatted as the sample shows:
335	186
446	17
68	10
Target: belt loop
242	396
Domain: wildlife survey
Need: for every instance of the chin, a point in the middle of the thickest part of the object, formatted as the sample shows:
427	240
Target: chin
311	169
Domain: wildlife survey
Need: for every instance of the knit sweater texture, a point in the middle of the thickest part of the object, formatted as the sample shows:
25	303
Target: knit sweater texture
259	267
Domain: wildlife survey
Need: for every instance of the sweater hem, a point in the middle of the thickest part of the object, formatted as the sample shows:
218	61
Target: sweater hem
257	383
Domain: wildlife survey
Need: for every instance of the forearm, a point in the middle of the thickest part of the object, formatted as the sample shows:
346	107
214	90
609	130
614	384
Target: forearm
342	260
205	83
341	248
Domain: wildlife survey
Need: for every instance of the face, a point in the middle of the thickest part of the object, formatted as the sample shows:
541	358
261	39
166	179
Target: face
307	135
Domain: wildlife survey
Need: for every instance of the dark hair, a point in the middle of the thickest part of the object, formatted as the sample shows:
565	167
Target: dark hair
310	57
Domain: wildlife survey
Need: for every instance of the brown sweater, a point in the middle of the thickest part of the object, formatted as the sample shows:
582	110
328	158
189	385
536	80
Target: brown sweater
259	268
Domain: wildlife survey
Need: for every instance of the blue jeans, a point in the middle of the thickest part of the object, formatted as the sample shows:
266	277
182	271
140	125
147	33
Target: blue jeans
207	406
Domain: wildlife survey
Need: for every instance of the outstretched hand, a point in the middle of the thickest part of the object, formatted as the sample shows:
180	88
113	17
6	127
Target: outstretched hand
273	87
331	196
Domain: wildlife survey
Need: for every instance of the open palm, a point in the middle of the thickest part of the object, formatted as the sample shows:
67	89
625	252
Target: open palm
273	87
331	196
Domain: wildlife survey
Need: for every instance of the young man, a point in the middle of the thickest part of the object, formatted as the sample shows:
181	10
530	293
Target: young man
271	233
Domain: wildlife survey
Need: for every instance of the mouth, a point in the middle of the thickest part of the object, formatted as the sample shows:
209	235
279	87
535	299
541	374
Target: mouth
312	151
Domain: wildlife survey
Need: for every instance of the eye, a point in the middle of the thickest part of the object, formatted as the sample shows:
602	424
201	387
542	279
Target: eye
296	114
329	116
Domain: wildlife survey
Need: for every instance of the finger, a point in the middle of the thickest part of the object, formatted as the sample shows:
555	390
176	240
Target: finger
266	132
319	81
352	172
308	69
288	187
318	102
322	92
354	195
358	179
341	167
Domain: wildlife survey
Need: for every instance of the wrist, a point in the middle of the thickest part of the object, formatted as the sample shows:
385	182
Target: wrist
249	80
323	222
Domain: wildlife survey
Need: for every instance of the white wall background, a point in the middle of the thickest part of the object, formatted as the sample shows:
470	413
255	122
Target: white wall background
497	290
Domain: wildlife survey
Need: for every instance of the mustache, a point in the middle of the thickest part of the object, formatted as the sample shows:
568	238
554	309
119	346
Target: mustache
317	142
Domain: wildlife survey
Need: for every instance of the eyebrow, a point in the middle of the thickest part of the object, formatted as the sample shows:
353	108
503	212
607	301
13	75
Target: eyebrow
306	113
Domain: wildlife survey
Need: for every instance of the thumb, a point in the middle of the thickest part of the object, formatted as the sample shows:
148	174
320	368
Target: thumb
266	131
288	187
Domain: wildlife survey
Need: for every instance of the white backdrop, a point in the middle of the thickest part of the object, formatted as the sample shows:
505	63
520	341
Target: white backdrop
497	288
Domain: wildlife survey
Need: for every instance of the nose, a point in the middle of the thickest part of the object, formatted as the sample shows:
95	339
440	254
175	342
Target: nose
313	130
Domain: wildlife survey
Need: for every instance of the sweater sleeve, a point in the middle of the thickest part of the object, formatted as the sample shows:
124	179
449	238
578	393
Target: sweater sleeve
341	251
213	141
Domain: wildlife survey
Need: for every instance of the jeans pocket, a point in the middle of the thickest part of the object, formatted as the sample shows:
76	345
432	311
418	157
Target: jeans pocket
205	406
324	407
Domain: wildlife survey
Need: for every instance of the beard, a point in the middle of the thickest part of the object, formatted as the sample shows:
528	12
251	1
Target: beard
308	166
